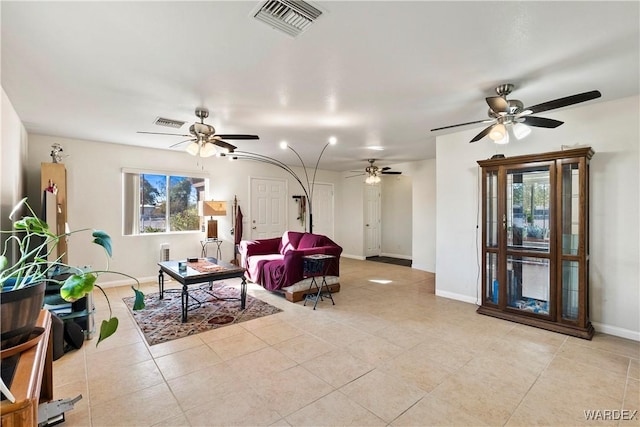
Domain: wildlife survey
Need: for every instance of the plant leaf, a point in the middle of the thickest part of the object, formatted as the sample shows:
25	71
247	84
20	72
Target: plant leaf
17	207
77	286
103	239
107	328
3	262
138	304
33	225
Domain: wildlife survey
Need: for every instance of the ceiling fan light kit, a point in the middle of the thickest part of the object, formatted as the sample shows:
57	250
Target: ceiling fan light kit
373	173
511	115
372	179
204	140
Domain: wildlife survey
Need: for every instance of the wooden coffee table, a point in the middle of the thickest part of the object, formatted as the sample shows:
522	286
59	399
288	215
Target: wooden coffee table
205	270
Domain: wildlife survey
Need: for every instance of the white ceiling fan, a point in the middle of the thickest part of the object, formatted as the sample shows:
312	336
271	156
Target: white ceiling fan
203	140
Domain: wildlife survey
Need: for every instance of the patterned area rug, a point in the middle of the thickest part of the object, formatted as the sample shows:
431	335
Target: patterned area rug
160	321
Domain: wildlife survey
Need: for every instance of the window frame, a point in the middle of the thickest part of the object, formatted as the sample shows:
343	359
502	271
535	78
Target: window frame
130	202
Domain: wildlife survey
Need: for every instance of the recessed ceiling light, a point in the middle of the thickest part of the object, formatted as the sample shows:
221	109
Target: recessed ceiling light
375	148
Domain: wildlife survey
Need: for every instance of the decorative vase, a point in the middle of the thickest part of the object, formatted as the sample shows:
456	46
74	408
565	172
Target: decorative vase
19	312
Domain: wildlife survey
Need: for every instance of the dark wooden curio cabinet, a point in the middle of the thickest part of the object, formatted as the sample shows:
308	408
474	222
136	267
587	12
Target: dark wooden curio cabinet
535	251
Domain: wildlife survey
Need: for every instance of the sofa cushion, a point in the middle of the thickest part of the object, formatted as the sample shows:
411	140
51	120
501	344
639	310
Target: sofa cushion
255	265
290	240
311	241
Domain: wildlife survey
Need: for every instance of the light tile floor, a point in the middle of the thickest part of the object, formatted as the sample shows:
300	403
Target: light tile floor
385	355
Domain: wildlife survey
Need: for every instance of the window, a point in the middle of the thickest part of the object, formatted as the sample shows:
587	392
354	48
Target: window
156	202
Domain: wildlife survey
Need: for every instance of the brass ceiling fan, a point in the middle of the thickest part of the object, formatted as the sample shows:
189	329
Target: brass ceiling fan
373	172
510	114
203	140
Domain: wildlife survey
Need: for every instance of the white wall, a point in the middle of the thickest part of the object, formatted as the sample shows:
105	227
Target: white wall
396	235
612	130
13	157
422	176
423	221
350	219
95	190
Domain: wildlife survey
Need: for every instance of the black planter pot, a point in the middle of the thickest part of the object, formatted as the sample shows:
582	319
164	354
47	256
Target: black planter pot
19	312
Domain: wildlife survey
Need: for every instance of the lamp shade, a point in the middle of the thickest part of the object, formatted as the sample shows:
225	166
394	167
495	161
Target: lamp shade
520	130
193	148
214	208
498	131
208	149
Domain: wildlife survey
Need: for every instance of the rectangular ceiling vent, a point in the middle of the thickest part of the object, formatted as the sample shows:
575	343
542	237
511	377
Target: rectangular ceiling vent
176	124
292	17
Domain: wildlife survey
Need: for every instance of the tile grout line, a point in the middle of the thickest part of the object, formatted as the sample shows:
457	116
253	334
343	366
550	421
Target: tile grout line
536	380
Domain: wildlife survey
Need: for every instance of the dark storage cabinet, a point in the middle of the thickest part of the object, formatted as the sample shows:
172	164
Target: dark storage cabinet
535	251
81	311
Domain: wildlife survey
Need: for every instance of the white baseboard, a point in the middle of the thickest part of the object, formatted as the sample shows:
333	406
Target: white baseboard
116	283
457	297
358	257
421	267
618	332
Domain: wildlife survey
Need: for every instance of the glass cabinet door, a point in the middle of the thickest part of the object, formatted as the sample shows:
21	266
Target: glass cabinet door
528	272
528	209
491	214
491	230
570	228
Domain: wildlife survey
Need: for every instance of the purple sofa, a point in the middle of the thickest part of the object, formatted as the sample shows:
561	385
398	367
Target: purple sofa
276	264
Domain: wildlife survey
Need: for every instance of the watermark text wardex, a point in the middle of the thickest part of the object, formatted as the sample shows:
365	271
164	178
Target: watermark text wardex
610	414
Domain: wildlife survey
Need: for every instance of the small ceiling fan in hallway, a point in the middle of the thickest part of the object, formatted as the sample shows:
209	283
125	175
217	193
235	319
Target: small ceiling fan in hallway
373	172
510	115
203	139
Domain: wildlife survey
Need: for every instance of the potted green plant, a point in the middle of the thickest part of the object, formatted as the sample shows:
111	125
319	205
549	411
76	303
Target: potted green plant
23	280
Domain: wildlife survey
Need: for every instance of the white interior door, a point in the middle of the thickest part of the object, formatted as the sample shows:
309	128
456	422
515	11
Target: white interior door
323	216
268	212
372	220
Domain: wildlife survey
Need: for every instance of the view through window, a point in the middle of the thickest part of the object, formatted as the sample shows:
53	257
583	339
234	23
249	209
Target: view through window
162	203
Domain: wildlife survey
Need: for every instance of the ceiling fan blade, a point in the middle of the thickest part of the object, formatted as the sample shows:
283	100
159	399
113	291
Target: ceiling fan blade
482	134
360	174
234	136
462	124
163	133
386	168
223	144
391	172
541	122
498	104
563	102
181	142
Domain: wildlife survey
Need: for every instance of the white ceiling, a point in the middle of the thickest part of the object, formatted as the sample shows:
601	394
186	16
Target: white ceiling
368	72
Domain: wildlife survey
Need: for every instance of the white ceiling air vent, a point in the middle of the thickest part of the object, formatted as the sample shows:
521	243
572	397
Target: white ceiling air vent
161	121
292	17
